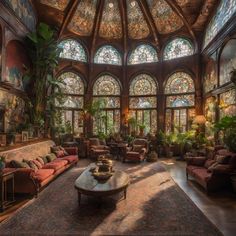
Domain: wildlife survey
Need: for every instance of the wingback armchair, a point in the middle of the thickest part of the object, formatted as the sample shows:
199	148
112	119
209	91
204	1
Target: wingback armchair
137	151
96	148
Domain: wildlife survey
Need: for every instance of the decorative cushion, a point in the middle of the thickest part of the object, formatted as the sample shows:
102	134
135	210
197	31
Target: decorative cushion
45	160
19	164
222	159
222	169
40	159
65	152
38	164
31	164
51	156
210	168
55	149
137	148
59	154
208	163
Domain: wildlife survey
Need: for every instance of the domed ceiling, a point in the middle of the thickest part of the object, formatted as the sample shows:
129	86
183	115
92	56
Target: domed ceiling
130	19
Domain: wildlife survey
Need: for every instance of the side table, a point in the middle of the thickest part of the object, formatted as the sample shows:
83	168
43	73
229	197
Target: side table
7	196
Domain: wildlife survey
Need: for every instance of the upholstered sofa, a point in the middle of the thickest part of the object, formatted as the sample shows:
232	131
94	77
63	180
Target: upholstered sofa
31	181
212	172
97	148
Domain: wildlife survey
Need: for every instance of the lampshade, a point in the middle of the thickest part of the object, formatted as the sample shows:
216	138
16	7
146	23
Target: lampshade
200	119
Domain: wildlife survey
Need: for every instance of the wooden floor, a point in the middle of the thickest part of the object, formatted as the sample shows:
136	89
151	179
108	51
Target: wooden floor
220	208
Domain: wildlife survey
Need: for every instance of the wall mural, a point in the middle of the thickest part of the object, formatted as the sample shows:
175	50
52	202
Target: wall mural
210	114
17	63
24	11
210	77
228	103
15	110
227	61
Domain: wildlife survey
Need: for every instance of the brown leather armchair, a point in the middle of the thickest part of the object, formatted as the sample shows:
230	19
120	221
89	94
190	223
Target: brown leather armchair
96	148
138	150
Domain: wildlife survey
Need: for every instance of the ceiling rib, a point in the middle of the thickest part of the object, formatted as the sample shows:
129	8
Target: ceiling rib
97	22
70	13
147	15
175	7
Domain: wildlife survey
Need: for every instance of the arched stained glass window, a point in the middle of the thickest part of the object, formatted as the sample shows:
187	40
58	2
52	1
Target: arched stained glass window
179	82
224	12
71	49
180	101
143	102
143	54
178	47
106	85
70	106
107	55
106	95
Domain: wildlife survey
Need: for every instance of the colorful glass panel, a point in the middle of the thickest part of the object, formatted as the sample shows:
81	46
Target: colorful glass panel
72	83
178	47
78	121
210	77
142	102
109	102
224	12
71	49
83	20
107	55
106	85
228	103
210	114
143	54
137	25
166	20
111	26
143	84
227	61
179	82
71	102
24	11
180	101
58	4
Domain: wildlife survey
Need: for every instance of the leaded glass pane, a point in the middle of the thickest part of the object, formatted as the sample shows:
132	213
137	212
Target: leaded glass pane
142	102
73	50
143	54
210	114
228	103
168	121
223	13
180	101
109	102
179	82
72	83
107	55
210	77
78	121
106	85
143	85
71	102
178	47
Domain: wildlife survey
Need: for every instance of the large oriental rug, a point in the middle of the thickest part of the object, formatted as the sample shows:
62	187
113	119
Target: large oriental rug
155	205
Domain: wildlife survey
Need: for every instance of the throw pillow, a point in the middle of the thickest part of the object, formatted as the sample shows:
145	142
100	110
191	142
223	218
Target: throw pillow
60	154
40	159
51	157
137	148
65	152
221	159
211	168
19	164
31	164
55	149
38	164
208	163
45	160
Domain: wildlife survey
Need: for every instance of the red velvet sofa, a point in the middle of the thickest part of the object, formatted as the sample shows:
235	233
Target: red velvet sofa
30	181
212	172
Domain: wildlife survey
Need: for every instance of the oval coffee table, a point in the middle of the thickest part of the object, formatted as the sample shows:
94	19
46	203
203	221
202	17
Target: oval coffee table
86	184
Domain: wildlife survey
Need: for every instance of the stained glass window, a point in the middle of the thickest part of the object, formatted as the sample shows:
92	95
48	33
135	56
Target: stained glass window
107	55
73	50
179	82
70	106
142	102
228	103
225	10
143	54
178	47
210	77
210	114
180	101
106	91
106	85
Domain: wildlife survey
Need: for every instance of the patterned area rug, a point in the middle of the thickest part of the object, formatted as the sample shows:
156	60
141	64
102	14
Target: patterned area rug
155	205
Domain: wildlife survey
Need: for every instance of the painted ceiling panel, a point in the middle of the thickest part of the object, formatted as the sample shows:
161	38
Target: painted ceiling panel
166	20
58	4
83	20
111	26
137	25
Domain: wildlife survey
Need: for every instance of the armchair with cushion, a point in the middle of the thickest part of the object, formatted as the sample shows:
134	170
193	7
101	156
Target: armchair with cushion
137	151
96	148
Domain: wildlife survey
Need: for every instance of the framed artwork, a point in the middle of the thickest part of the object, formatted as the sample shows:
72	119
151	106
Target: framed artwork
3	140
24	136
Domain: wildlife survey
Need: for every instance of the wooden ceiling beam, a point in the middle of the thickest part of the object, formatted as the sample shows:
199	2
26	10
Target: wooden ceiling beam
70	12
149	19
177	9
